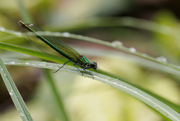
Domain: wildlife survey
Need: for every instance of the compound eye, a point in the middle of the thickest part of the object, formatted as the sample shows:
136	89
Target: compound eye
94	65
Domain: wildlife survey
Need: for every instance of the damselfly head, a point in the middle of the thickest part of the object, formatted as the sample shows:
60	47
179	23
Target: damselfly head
93	65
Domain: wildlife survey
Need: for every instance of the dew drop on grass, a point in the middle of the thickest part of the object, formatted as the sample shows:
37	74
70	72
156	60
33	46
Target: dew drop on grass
31	25
162	59
66	34
2	29
12	62
43	64
134	90
144	54
18	34
132	49
21	114
50	66
117	43
11	92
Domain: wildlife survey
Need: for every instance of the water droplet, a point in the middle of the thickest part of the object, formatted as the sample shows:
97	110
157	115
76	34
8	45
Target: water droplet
31	25
18	34
2	29
144	54
162	59
132	49
21	114
66	34
50	67
134	90
11	92
12	62
117	43
43	64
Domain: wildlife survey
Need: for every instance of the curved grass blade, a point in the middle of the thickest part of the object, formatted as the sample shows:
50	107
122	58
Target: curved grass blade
14	93
23	11
62	113
157	103
30	52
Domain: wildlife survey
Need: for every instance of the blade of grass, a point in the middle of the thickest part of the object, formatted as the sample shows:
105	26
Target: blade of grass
14	93
157	103
124	22
138	93
30	52
24	14
58	99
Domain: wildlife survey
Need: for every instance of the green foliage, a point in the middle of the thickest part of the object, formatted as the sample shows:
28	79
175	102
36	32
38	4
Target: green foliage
165	35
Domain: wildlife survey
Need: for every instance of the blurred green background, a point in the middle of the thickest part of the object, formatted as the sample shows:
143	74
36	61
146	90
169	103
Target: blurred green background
86	99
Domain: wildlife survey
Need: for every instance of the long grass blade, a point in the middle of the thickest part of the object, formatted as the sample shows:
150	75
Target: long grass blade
14	93
62	113
157	103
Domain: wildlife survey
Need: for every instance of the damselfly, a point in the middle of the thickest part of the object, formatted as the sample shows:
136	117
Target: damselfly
63	49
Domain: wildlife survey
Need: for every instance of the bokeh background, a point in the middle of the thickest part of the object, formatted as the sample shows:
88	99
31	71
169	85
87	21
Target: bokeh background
87	99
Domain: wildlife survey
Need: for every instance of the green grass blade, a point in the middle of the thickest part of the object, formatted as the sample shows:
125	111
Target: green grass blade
157	103
14	93
24	14
59	101
145	97
30	52
140	94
